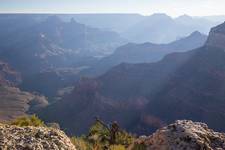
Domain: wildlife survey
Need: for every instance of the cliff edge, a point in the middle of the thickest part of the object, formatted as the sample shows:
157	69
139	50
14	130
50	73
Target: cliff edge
183	135
33	138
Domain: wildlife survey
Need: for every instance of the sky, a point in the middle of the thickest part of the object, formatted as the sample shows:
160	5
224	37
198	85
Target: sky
144	7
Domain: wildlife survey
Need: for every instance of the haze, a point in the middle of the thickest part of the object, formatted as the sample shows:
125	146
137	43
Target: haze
145	7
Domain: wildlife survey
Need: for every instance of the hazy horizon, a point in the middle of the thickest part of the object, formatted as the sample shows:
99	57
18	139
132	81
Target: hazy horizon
172	8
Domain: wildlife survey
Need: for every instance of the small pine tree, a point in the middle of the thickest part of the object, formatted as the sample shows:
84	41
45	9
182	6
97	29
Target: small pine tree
102	136
99	135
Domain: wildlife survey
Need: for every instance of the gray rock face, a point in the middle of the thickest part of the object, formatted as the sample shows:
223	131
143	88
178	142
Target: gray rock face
184	135
33	138
217	37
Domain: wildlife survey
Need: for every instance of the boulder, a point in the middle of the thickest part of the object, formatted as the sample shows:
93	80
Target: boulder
33	138
183	135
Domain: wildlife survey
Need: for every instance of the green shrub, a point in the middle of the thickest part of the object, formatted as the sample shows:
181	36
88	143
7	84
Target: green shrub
103	136
31	120
124	138
81	143
98	134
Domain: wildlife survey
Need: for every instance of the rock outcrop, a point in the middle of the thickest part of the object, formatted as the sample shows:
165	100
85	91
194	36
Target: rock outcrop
184	135
8	76
217	37
33	138
15	103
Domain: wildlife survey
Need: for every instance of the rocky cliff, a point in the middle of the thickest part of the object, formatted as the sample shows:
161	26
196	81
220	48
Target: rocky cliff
33	138
8	76
184	135
217	37
181	135
15	102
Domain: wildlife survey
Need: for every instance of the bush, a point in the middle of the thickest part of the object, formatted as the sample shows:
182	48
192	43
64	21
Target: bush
98	134
124	138
32	120
102	136
81	143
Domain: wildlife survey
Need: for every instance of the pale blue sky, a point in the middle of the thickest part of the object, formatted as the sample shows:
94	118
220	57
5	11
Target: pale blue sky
145	7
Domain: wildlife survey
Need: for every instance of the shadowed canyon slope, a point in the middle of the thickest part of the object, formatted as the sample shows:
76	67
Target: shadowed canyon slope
15	102
146	52
143	97
62	51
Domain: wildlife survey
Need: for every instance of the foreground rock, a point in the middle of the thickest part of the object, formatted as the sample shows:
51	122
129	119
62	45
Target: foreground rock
33	138
184	135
